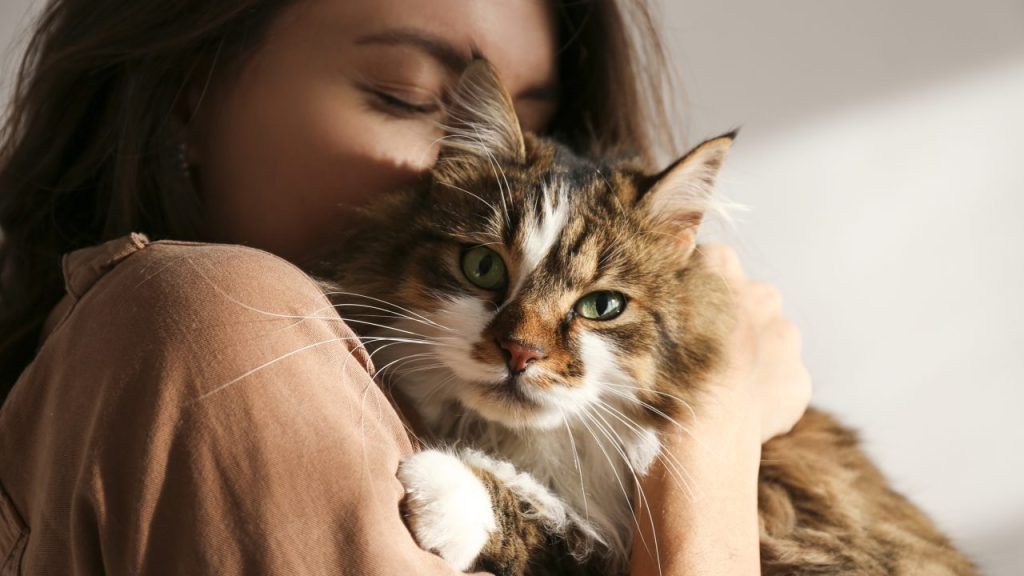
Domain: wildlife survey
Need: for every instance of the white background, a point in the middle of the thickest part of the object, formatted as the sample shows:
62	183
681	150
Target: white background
882	156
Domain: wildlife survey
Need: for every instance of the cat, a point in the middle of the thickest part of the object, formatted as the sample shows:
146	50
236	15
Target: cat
545	315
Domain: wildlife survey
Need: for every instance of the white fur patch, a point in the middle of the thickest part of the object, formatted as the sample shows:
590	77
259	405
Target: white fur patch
450	509
466	316
541	233
598	359
643	452
601	372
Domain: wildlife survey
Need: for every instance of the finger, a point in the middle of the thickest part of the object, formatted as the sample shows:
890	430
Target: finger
766	298
723	258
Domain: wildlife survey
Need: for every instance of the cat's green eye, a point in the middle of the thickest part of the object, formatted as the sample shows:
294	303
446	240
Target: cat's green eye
603	305
484	268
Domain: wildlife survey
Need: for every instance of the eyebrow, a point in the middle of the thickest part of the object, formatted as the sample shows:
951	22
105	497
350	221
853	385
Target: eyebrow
441	49
447	54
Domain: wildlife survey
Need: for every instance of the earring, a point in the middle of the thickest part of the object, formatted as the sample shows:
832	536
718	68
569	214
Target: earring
183	160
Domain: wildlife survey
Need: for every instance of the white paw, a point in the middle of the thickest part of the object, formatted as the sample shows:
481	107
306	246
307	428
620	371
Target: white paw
448	508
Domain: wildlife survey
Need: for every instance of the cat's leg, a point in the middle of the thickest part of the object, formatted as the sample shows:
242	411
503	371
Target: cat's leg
478	512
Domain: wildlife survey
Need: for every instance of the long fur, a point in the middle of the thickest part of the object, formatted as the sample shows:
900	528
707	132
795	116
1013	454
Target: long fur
559	446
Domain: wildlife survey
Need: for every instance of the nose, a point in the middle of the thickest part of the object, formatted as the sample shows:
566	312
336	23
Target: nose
519	354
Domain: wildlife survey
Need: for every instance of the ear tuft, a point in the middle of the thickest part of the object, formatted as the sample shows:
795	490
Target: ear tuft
481	121
681	194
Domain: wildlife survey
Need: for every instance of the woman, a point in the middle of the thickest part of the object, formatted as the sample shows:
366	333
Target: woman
126	445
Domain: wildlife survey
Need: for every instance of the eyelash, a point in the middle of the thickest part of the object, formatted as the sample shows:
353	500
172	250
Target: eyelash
403	106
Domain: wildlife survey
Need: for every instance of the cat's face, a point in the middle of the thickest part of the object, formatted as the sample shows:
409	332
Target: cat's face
535	284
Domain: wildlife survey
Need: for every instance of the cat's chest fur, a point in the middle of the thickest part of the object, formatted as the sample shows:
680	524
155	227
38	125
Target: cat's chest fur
591	464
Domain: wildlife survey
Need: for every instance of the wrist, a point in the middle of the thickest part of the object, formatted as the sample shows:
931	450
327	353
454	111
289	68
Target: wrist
703	503
726	427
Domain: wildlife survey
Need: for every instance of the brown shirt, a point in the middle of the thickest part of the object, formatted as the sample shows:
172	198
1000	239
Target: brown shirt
200	409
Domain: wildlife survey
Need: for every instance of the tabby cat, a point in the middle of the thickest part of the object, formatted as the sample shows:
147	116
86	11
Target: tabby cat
545	315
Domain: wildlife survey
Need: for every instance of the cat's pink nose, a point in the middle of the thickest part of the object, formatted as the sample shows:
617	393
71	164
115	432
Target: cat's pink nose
519	354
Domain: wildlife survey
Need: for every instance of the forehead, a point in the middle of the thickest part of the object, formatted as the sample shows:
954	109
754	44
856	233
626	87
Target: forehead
518	36
565	214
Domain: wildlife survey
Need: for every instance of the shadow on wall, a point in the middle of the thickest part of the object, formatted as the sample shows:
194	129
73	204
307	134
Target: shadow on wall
775	62
999	550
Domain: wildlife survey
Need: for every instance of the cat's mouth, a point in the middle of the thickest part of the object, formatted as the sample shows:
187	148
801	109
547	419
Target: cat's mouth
515	402
512	389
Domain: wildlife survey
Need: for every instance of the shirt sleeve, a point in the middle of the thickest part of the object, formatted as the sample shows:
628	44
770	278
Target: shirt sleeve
238	428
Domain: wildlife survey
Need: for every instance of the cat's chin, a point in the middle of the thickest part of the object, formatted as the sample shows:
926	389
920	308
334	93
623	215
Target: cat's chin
515	414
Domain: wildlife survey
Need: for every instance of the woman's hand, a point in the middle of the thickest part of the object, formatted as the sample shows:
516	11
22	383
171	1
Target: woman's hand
766	380
700	510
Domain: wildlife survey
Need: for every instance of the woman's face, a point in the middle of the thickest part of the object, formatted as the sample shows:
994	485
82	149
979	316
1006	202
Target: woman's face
340	105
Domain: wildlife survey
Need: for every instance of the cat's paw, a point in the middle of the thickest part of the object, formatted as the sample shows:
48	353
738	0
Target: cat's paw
447	507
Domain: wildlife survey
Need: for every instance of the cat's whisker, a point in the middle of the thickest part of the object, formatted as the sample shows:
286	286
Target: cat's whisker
417	363
447	340
394	328
378	349
643	497
615	470
654	409
380	372
245	375
431	355
671	420
688	406
386	389
299	318
373	342
576	459
628	498
406	310
417	368
650	407
378	316
675	467
391	312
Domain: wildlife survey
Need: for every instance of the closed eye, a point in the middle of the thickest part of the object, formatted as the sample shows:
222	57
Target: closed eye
398	104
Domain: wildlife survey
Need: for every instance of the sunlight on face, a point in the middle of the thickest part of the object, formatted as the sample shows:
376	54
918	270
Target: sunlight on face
340	105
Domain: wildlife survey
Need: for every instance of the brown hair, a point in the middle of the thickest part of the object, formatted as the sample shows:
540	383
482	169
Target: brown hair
89	147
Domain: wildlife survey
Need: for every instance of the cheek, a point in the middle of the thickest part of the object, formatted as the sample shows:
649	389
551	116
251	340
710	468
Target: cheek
599	362
464	319
283	172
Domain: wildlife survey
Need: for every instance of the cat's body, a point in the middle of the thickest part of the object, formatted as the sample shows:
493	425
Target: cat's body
546	315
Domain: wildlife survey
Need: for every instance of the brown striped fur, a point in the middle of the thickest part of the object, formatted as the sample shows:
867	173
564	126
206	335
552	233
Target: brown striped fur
566	226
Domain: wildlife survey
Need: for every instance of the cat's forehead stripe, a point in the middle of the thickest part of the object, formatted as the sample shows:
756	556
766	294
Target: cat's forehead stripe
542	229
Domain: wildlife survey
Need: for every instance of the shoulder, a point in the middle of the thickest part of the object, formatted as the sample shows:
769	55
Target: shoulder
172	283
201	275
210	310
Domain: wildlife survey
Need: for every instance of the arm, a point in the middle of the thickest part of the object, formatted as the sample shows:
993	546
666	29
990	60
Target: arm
236	429
762	393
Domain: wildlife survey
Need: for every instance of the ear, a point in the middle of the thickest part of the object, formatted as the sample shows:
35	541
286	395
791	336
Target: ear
679	196
481	122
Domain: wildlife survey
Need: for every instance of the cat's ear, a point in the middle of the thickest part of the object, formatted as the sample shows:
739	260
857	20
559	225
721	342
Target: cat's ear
676	199
481	122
